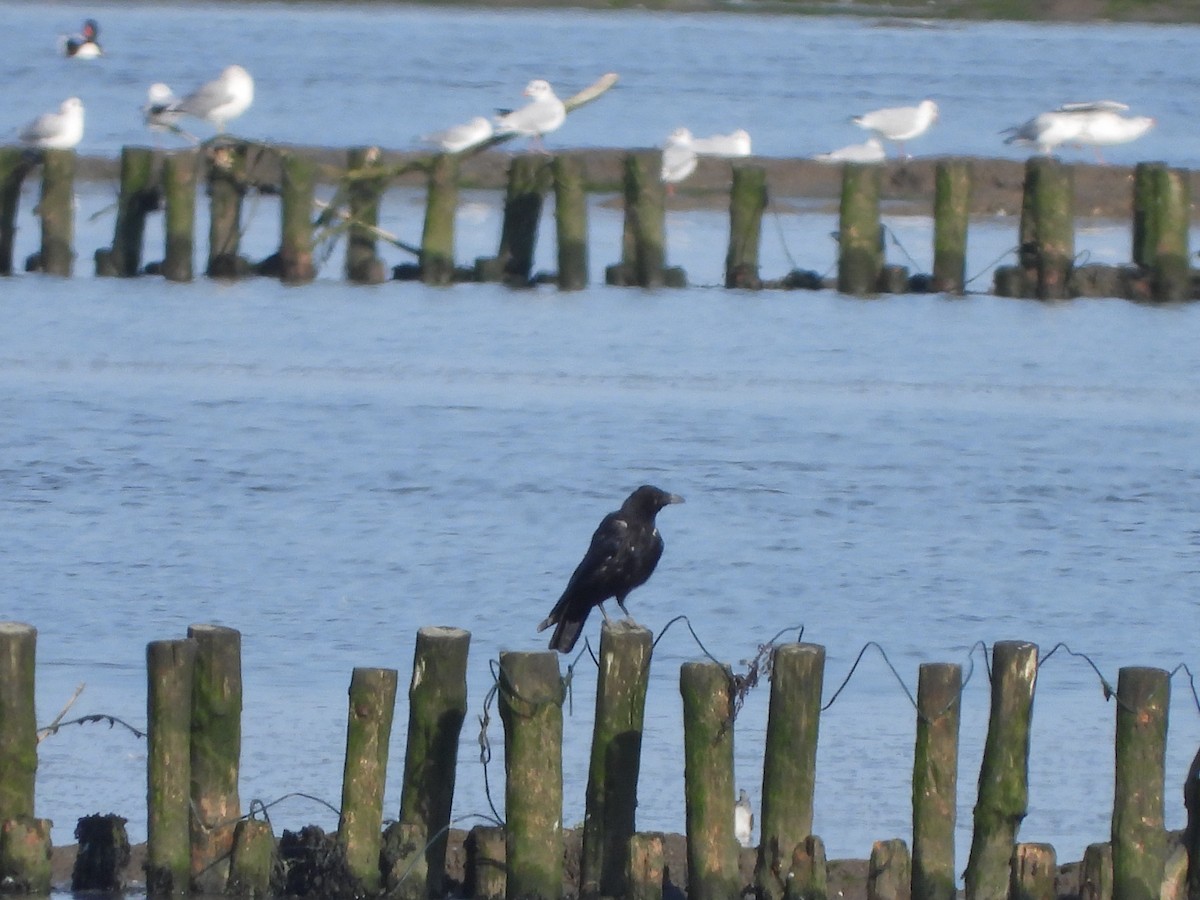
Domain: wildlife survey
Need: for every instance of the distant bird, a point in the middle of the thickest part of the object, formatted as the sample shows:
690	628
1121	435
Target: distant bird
624	551
60	130
544	113
83	45
1095	124
743	819
736	143
157	111
899	123
458	138
225	97
869	151
678	158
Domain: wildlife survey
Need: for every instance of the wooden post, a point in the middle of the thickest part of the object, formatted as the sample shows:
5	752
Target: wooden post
1145	188
366	186
139	195
789	762
56	209
808	875
1138	838
1032	872
951	214
527	185
179	184
644	877
646	218
368	736
226	187
608	822
437	706
13	169
935	781
571	221
747	200
103	854
530	702
889	871
18	725
708	781
860	249
1191	834
1095	875
1171	279
253	859
299	176
170	668
437	240
25	855
1048	227
486	870
1004	773
215	753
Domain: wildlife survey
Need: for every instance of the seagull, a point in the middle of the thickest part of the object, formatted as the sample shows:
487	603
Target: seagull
544	113
743	819
458	138
869	151
678	158
219	100
56	131
736	143
158	114
899	123
83	45
1096	124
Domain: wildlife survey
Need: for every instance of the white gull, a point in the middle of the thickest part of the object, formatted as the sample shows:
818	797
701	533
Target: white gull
544	113
869	151
225	97
678	158
458	138
1095	124
899	123
736	143
60	130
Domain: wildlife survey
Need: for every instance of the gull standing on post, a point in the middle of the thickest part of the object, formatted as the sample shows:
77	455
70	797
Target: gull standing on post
544	113
225	97
678	158
60	130
1096	124
899	123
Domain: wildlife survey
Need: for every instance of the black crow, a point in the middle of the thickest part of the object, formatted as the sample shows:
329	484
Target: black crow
623	553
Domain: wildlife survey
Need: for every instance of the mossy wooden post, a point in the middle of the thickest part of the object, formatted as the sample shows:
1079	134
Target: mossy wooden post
366	183
646	218
712	852
1138	838
179	185
608	822
437	706
1050	232
789	762
1095	874
13	169
1032	872
18	724
1003	793
441	205
138	196
860	247
951	214
527	184
170	668
889	871
485	855
808	872
747	200
644	876
1171	279
530	703
226	187
299	178
253	859
1145	188
368	737
935	781
571	221
215	753
56	209
103	854
25	855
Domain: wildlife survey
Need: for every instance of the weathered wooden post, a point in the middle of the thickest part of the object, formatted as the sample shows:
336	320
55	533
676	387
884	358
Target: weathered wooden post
643	240
56	209
366	180
13	169
1191	834
644	877
708	781
103	854
860	246
747	200
437	239
252	860
1138	838
18	725
528	181
139	195
1095	875
215	753
608	823
170	668
437	706
1145	223
889	871
951	214
25	855
808	875
571	221
935	781
226	188
530	703
298	185
1050	232
789	762
179	185
1032	872
485	859
1004	773
1169	214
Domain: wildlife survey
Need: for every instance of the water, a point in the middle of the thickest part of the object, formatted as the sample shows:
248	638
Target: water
329	468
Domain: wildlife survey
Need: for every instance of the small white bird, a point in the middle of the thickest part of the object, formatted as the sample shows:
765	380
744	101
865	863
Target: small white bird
899	123
157	111
225	97
543	114
743	820
1094	124
56	131
678	158
869	151
736	143
458	138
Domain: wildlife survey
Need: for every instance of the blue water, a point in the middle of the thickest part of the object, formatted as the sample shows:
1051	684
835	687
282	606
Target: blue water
328	468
